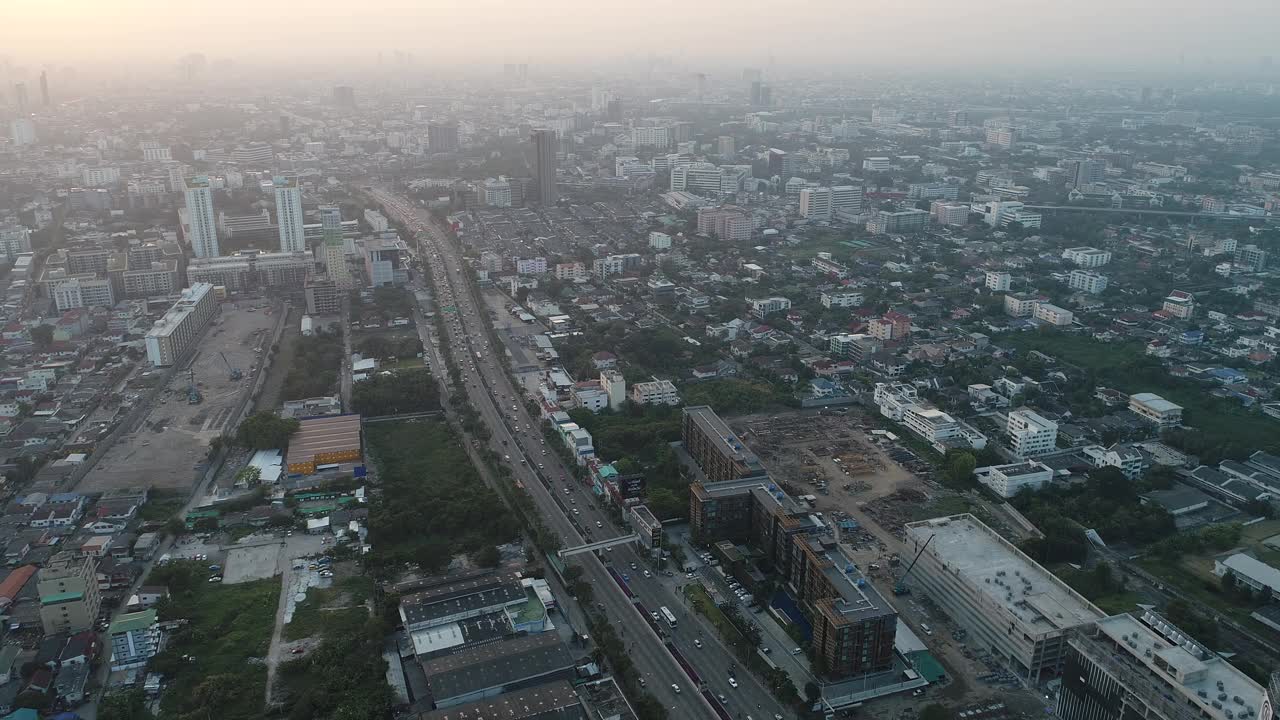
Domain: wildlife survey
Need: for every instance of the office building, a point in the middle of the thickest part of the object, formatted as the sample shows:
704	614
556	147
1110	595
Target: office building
323	296
251	269
1087	281
1002	137
957	118
545	165
334	247
135	639
289	214
815	203
1010	606
254	155
99	176
846	199
782	163
201	227
15	238
876	164
1156	410
727	223
1087	172
1030	434
902	221
1251	258
725	147
946	213
442	137
1139	665
69	596
655	392
656	136
1086	257
1012	478
998	281
1003	213
181	326
853	625
344	96
22	131
841	299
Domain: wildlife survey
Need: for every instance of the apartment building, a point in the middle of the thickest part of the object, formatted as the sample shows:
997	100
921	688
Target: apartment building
1179	304
715	448
182	325
1031	434
1012	478
1053	315
1086	257
135	639
656	392
69	596
727	223
949	213
998	281
762	307
1010	606
1087	281
1020	305
902	221
837	299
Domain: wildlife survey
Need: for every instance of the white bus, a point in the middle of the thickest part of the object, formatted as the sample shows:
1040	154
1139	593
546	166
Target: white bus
668	616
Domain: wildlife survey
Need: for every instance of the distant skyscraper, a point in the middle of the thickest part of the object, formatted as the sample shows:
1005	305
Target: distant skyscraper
751	75
23	131
344	96
285	127
725	146
757	88
613	110
44	88
20	96
335	254
202	229
1088	172
544	144
958	118
289	214
442	137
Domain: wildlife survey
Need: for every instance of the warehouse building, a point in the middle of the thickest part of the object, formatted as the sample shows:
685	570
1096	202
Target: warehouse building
1010	605
323	442
491	669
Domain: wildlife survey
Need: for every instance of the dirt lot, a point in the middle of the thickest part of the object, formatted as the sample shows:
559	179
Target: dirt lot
252	562
167	446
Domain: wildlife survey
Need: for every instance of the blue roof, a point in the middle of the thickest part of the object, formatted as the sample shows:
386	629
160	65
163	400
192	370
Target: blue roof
1226	374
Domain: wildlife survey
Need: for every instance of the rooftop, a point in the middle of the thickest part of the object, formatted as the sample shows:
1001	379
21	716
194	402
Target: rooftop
1010	579
330	434
1154	402
493	664
133	621
712	426
552	701
474	594
1253	569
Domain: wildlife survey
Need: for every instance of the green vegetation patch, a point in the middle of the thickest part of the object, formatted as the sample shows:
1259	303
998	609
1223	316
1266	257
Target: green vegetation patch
734	396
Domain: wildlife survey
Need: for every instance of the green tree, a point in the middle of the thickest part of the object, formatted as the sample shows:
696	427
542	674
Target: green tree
42	336
128	705
489	556
934	711
960	466
265	431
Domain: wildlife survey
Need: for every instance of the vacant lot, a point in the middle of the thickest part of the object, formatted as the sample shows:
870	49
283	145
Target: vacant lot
255	562
170	442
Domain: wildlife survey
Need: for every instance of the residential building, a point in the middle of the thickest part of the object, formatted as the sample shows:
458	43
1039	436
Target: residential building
1007	603
323	296
659	241
69	596
815	203
1140	665
1125	458
1087	281
614	386
289	213
22	131
902	221
998	281
1086	257
545	165
201	226
181	326
250	269
135	639
497	192
376	220
1053	315
706	178
531	266
15	238
715	448
949	213
829	267
1156	410
1179	304
725	147
1251	258
1020	305
1087	172
99	176
876	164
657	136
1012	478
442	137
1002	213
572	272
841	299
940	429
728	223
656	392
846	199
1031	434
78	292
761	307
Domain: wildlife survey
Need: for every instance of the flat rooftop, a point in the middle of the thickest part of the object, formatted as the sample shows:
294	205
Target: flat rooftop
1197	670
1154	402
858	599
730	445
552	701
472	594
337	433
493	664
997	569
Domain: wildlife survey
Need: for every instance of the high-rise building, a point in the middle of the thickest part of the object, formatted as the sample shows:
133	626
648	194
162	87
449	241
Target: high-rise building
1087	172
20	97
344	96
289	213
23	131
545	164
815	203
761	94
442	137
613	110
44	88
846	199
958	118
334	246
202	228
725	146
902	221
15	238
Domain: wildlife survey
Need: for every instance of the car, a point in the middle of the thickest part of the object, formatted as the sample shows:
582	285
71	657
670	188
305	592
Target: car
566	491
541	466
796	651
646	574
575	511
654	615
216	579
641	682
298	651
573	501
697	643
689	575
625	578
634	566
675	688
765	649
723	699
600	525
733	682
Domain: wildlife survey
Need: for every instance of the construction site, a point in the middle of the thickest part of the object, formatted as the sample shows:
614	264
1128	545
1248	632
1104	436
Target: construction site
166	446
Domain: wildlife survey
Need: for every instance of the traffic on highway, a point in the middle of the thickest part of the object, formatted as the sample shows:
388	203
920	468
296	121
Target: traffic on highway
677	653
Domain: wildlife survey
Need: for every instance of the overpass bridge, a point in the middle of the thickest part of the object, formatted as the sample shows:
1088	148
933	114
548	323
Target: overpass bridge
599	545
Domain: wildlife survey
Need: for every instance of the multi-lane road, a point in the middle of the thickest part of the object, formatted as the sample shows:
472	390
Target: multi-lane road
571	511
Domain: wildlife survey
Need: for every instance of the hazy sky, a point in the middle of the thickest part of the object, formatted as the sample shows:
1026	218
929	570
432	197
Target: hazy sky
738	32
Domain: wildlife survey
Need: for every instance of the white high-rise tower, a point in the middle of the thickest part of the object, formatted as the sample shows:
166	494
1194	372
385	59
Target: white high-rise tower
289	213
202	229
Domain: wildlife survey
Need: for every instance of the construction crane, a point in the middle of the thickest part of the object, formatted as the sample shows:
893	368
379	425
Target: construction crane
194	397
900	587
235	371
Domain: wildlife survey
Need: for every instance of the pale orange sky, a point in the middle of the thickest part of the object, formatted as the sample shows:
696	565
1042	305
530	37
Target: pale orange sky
1031	32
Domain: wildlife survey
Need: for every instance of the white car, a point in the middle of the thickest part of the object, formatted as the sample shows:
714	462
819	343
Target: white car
599	525
733	682
575	511
697	643
675	688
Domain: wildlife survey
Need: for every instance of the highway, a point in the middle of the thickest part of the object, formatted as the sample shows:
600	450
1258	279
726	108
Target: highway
569	509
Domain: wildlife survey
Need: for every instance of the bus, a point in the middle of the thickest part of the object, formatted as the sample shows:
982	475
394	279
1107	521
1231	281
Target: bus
668	616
